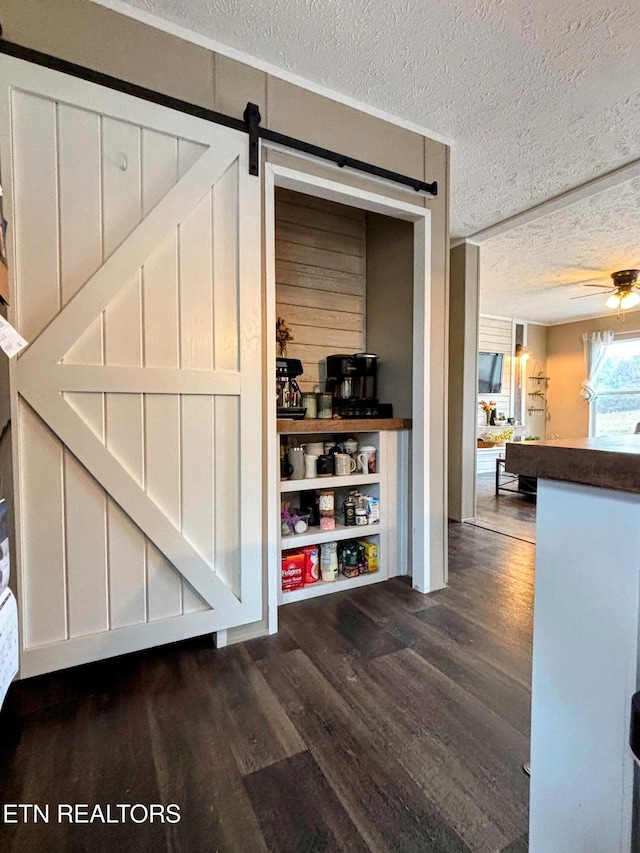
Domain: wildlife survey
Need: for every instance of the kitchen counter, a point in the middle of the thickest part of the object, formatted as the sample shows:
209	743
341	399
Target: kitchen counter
609	463
585	640
289	425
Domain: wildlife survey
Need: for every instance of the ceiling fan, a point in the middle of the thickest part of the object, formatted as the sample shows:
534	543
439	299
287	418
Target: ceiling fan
624	291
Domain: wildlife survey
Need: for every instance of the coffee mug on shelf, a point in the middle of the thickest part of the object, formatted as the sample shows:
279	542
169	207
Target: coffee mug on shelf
367	459
310	463
325	465
286	468
350	446
315	448
344	464
296	459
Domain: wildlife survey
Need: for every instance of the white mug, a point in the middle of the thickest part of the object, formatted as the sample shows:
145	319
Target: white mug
344	464
367	459
315	448
310	463
296	460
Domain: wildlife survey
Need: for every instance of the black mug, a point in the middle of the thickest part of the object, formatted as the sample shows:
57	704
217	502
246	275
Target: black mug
286	468
325	465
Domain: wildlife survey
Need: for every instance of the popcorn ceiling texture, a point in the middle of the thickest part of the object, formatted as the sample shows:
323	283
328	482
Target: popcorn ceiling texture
538	96
531	272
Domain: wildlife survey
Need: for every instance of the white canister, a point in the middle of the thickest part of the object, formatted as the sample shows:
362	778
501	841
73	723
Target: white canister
329	561
310	466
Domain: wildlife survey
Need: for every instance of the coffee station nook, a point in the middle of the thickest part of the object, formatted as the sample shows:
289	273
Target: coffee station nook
340	513
343	509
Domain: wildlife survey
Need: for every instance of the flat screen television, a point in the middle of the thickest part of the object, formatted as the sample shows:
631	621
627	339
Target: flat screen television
490	372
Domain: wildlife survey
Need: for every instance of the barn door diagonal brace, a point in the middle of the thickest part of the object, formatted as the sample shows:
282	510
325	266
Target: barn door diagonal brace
250	125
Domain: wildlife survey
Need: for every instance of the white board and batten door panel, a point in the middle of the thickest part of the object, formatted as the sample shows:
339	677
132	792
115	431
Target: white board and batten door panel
135	254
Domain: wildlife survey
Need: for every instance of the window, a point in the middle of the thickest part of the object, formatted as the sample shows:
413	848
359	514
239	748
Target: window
616	409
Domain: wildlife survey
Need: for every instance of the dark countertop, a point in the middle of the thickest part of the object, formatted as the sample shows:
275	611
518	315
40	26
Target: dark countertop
610	463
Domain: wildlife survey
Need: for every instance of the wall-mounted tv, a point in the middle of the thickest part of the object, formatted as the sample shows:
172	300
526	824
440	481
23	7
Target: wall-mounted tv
490	372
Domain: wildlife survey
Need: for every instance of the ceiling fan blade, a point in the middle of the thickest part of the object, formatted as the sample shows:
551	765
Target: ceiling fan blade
587	295
606	286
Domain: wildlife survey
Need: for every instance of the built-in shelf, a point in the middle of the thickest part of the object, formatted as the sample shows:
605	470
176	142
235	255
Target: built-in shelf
345	425
316	536
328	482
327	587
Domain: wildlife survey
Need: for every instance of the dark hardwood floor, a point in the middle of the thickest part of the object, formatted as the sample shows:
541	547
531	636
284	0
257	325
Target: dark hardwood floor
508	513
378	719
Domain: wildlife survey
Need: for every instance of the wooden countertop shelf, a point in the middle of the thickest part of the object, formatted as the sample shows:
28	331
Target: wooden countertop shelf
608	462
310	425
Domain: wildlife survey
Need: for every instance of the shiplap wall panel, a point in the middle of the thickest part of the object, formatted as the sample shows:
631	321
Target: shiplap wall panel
320	280
495	335
306	276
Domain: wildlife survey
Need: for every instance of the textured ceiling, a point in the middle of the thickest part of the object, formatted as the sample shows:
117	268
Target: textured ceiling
538	96
531	272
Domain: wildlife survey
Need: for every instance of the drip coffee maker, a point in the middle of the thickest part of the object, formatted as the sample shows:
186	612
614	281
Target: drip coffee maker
353	381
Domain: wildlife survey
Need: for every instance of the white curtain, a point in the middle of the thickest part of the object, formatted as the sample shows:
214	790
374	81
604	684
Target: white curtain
594	345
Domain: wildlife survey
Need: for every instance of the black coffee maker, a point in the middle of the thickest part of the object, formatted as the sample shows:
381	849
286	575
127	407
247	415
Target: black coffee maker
288	391
353	381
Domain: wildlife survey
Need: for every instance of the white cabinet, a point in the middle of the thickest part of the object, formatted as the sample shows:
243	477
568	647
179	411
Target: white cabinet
390	533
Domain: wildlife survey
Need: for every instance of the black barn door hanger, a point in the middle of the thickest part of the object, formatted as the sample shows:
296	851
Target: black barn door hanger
250	125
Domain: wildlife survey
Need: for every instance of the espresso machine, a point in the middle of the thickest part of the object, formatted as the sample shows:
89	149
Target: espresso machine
353	381
289	396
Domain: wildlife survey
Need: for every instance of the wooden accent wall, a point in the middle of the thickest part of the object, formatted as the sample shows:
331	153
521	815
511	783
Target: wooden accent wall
320	280
496	335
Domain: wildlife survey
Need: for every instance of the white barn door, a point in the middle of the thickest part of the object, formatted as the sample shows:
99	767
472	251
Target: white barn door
134	237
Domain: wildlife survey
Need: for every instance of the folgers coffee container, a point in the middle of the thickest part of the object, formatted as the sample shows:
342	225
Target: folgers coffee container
293	568
311	564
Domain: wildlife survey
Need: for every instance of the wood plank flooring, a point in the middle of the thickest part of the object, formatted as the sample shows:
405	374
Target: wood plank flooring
378	719
509	513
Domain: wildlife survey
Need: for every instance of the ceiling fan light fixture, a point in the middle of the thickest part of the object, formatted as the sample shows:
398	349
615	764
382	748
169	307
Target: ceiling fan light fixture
629	300
613	301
